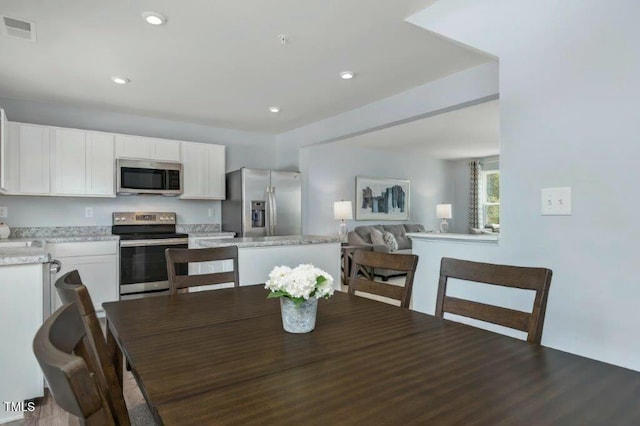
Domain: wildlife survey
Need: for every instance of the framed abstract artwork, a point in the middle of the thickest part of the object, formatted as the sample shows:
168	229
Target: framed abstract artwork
382	198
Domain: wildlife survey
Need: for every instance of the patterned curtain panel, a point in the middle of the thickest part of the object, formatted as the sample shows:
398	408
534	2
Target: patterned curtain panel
475	212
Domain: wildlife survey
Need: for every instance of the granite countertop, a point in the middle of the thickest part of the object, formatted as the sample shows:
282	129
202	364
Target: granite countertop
19	255
218	234
285	240
12	253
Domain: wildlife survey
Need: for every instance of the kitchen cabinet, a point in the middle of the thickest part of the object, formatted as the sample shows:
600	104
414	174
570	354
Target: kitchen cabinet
203	168
26	159
82	163
20	318
97	263
147	148
4	134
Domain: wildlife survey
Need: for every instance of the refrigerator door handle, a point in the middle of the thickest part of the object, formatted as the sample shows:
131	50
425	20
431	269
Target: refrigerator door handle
268	211
274	206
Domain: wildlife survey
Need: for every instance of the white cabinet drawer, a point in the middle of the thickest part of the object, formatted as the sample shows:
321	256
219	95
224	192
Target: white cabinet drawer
89	248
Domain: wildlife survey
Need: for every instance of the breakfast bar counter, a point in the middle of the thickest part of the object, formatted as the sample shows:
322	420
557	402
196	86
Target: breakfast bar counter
257	256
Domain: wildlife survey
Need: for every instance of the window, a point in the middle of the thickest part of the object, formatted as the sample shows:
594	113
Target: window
490	197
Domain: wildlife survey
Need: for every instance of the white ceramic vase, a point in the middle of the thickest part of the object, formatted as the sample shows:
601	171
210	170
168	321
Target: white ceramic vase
301	318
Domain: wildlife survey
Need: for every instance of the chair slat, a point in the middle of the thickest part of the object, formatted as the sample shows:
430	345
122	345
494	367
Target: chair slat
494	314
381	289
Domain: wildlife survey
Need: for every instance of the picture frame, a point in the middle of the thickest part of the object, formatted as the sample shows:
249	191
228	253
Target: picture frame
382	198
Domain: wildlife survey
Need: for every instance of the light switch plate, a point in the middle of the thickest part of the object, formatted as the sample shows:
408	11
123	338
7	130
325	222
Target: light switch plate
88	212
4	211
555	201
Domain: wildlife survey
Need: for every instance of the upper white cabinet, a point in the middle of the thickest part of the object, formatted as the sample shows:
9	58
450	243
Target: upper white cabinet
4	134
82	163
46	160
25	162
147	148
203	168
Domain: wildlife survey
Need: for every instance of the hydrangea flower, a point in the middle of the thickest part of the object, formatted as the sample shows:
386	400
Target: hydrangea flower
300	283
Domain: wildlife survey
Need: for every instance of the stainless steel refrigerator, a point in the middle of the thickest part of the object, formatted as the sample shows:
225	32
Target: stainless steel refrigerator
262	203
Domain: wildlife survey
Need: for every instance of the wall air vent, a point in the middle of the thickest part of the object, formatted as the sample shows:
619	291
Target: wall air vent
18	28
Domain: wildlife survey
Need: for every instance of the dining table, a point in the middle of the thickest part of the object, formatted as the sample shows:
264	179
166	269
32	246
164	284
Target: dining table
222	357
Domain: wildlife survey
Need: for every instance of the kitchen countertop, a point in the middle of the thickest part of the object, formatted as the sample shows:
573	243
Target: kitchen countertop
284	240
40	236
218	234
23	255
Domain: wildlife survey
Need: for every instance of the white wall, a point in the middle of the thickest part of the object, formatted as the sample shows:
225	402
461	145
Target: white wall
242	149
329	174
569	93
469	87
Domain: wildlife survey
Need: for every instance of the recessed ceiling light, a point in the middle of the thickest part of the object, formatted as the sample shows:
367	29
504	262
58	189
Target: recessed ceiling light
154	18
120	80
274	109
347	75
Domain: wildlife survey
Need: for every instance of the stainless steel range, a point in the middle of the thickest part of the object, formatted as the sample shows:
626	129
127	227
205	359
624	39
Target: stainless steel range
144	237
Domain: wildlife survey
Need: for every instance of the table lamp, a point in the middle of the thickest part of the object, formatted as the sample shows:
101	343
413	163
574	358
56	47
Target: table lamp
443	211
342	211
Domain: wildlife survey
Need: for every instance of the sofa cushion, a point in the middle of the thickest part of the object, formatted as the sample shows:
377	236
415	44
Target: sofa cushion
401	236
413	227
377	237
390	241
405	251
364	232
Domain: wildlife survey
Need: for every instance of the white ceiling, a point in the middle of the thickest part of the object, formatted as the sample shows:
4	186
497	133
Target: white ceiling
221	62
471	132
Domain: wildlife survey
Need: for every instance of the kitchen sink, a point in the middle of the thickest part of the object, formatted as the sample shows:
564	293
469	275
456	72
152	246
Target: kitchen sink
19	244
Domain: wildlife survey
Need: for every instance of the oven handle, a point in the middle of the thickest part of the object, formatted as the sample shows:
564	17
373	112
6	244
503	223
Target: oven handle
159	242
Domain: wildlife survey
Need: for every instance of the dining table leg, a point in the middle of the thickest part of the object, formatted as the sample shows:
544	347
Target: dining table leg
115	354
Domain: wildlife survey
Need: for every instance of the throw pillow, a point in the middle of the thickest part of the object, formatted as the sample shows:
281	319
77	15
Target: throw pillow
390	241
377	238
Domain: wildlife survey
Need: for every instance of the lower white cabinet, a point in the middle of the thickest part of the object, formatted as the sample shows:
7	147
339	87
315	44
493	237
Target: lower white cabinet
97	263
20	318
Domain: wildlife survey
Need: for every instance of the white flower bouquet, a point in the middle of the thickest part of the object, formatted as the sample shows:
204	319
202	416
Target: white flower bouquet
300	283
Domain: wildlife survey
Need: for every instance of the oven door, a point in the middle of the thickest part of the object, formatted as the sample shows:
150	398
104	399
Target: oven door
143	266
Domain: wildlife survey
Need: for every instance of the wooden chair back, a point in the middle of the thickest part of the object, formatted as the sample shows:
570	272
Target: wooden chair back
179	283
367	260
536	279
71	290
69	365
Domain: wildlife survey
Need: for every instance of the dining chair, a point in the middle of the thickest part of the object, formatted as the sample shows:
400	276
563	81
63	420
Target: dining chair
71	368
536	279
71	290
367	260
181	283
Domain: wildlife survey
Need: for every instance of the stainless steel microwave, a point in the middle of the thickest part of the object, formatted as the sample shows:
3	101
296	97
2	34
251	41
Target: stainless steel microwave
148	177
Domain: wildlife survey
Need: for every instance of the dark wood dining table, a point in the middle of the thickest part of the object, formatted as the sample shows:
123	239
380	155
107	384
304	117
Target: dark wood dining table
222	357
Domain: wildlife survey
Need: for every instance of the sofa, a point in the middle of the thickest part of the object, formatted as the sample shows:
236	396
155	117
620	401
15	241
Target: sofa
361	236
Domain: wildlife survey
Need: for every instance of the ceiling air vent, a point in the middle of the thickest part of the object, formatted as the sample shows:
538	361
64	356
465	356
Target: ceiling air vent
18	28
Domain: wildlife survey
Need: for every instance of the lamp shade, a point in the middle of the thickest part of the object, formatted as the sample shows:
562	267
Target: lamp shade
443	211
342	210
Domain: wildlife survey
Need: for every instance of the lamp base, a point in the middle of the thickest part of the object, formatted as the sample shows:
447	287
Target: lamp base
444	226
343	228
